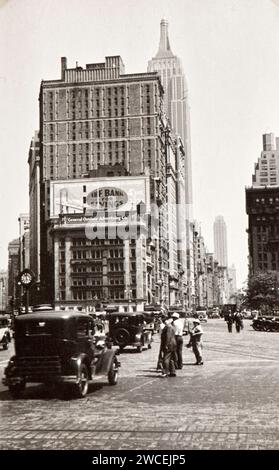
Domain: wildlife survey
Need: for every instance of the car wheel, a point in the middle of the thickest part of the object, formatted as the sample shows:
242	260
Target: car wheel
5	344
113	373
149	346
80	389
17	390
139	349
121	337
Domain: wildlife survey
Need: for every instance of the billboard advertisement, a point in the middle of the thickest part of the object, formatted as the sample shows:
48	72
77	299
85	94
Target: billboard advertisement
86	195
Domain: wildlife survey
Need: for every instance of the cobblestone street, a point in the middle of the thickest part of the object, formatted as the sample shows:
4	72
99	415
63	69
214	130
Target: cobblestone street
229	403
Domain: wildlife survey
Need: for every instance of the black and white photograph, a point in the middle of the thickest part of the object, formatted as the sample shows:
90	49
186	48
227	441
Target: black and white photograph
139	239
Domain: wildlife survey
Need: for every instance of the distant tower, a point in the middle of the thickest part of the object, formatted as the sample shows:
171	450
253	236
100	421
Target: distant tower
176	104
220	241
267	167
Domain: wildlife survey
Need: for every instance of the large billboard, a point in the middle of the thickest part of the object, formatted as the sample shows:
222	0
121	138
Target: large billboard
89	194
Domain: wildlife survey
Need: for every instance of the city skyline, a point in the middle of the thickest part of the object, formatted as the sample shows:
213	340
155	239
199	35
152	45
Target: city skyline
232	97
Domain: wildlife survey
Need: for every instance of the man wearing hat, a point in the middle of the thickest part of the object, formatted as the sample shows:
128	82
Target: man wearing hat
168	350
196	343
178	324
163	323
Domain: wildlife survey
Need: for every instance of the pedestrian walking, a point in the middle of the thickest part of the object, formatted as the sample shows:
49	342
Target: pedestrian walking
178	324
162	325
238	319
168	346
195	341
229	319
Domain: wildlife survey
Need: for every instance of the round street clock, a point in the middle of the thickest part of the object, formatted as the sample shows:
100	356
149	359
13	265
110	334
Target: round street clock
26	277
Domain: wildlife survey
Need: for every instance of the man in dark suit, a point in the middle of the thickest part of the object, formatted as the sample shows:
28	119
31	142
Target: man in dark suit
168	347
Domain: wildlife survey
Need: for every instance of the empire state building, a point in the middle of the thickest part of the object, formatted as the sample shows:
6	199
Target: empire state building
176	104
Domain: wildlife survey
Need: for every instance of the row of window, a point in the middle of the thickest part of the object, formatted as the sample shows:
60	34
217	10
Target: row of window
79	95
265	266
108	91
109	133
94	268
269	200
114	294
86	282
83	242
86	254
264	256
270	218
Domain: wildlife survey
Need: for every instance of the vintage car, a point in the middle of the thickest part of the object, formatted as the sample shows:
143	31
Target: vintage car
5	335
201	315
129	329
59	348
266	324
152	320
153	314
99	320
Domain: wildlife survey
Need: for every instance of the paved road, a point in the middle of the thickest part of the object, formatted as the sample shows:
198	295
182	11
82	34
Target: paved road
229	403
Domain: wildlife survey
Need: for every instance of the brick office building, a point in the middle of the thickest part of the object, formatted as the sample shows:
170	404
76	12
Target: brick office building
101	118
262	207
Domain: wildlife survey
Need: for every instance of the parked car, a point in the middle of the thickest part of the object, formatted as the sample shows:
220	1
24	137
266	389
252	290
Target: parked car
213	313
59	348
5	334
129	329
247	314
201	315
266	324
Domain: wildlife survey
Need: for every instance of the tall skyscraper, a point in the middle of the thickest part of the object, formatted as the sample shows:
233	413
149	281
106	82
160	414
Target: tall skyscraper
176	105
177	110
220	241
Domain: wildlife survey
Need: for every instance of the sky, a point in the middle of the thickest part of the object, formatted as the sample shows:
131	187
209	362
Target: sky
230	55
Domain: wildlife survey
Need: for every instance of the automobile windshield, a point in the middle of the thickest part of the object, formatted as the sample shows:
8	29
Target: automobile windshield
3	323
40	328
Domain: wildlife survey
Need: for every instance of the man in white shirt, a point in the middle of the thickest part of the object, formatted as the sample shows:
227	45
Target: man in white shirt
178	324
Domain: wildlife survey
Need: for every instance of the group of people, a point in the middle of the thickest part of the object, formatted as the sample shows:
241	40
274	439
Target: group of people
234	318
171	349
